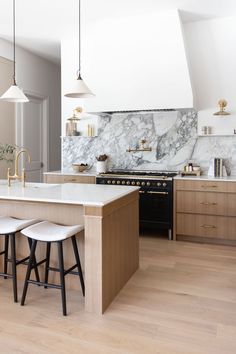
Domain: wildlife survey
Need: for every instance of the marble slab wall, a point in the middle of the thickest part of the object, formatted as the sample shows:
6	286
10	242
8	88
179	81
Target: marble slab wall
172	136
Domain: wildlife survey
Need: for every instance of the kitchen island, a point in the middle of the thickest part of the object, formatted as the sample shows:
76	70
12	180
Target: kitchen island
110	218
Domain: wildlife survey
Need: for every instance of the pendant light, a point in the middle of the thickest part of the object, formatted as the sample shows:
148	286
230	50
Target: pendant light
14	93
79	89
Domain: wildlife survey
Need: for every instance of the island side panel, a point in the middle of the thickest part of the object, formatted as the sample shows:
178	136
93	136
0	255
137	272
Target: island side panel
112	250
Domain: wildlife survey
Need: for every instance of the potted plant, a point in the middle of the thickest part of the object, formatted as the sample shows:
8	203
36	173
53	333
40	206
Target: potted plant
6	152
101	163
6	155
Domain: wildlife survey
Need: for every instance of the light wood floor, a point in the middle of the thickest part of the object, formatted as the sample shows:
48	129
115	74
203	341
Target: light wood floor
182	300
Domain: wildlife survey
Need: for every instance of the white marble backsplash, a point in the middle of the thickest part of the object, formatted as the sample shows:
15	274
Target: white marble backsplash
172	135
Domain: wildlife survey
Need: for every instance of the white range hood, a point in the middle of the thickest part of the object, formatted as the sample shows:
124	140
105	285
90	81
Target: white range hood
132	63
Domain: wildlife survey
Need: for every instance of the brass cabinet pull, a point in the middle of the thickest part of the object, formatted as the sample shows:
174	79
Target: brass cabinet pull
206	203
152	192
209	186
70	180
208	226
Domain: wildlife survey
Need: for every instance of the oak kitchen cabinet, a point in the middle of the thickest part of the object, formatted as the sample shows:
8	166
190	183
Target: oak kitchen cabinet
205	210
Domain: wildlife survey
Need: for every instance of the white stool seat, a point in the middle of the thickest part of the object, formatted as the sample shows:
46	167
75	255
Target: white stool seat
47	231
9	225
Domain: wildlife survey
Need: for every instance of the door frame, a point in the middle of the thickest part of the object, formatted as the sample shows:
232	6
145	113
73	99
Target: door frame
19	116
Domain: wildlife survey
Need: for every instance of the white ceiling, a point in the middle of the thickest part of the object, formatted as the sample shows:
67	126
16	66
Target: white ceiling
41	23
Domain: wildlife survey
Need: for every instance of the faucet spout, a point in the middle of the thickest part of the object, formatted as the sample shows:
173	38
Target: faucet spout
17	160
16	175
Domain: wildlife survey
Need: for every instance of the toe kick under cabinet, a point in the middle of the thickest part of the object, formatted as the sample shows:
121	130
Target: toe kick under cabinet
205	211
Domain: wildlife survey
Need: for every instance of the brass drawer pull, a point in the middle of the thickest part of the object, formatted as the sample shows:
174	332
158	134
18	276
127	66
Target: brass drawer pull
209	186
208	226
152	192
70	180
206	203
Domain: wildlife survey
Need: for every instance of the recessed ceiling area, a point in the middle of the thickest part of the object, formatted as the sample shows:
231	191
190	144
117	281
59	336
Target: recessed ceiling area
41	24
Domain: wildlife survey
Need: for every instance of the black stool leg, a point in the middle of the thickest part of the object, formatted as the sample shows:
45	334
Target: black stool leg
6	254
13	262
62	276
34	260
29	269
48	252
77	259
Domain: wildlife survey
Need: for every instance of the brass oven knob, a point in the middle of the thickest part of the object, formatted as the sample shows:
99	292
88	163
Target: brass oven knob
164	184
159	184
128	182
138	183
118	182
133	183
123	182
113	182
148	183
109	182
143	184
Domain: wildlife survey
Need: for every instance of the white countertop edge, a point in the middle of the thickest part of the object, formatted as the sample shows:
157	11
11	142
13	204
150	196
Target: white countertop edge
71	173
35	188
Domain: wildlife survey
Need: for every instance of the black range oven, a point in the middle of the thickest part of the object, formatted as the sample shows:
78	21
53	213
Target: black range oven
156	195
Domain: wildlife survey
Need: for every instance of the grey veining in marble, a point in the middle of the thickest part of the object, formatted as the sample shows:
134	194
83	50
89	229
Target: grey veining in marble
207	148
172	136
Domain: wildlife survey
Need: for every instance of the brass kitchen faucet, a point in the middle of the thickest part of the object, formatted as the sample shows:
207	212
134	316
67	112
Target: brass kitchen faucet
16	175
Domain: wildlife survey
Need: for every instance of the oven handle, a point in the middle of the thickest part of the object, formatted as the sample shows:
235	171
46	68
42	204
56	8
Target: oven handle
153	192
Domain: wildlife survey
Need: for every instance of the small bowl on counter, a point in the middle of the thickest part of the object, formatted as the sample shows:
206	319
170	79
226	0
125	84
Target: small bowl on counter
79	167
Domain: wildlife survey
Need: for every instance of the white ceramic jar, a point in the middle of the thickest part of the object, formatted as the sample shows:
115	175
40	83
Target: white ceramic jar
101	166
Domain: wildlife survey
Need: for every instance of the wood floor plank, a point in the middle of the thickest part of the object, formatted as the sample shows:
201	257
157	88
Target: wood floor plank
182	300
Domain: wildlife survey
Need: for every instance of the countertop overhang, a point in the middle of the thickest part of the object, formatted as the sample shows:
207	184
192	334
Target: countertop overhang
68	193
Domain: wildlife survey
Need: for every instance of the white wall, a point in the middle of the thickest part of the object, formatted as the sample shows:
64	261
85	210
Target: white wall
7	112
212	57
131	63
41	77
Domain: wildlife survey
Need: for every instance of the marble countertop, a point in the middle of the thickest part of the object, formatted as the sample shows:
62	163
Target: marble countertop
72	173
207	178
68	193
94	173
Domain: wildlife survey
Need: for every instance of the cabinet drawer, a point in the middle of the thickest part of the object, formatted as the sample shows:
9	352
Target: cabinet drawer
208	186
218	227
69	179
206	203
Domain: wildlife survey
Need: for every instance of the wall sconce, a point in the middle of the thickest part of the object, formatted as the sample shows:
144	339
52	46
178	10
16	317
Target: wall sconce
222	103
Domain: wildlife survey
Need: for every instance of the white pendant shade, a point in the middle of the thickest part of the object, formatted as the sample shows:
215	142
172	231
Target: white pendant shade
14	94
80	90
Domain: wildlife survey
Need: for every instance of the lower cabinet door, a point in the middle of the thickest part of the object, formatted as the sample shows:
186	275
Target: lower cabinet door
218	227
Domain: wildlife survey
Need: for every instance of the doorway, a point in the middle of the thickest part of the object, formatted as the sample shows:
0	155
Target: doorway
32	134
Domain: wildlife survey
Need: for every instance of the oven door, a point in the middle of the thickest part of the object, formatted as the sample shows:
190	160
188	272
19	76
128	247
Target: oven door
156	207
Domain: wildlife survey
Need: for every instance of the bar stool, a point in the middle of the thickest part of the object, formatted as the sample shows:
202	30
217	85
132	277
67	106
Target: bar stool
9	227
49	232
